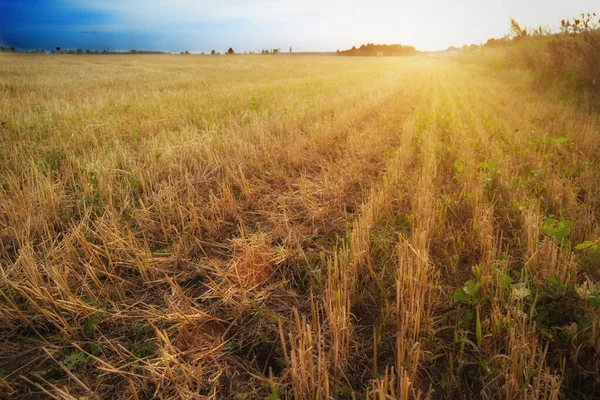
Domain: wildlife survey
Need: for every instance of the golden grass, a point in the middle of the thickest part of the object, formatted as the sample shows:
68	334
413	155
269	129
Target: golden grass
294	227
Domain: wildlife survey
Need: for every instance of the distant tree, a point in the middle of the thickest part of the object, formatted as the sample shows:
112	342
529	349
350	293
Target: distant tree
58	49
275	51
290	49
12	49
213	52
230	51
372	50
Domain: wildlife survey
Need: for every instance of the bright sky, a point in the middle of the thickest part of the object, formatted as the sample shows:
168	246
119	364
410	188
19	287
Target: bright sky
306	25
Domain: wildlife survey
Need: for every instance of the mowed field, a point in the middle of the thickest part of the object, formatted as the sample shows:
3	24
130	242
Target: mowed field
294	227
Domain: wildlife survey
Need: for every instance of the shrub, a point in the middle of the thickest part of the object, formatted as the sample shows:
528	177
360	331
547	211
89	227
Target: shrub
575	61
568	61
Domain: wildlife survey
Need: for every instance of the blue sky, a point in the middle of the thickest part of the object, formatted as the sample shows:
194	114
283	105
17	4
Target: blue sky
307	25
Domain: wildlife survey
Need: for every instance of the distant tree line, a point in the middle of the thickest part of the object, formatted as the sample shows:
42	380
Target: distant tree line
371	49
14	50
59	50
271	51
464	49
